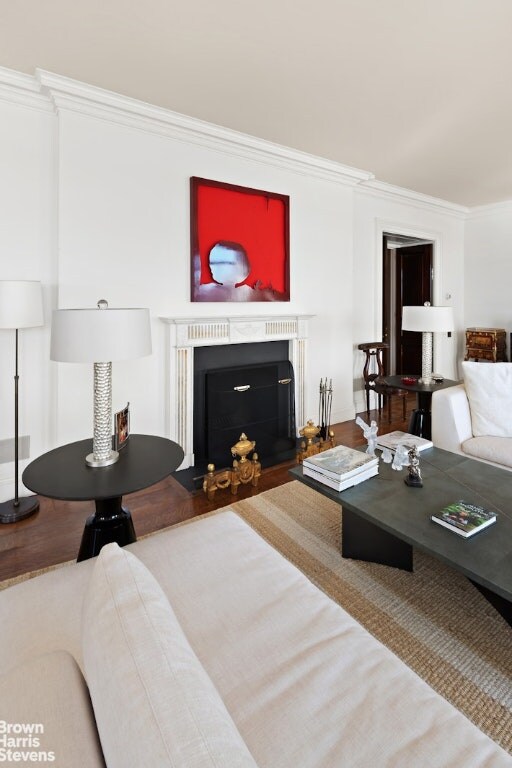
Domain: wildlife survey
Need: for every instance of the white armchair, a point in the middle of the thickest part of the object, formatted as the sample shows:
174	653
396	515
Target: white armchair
451	418
473	419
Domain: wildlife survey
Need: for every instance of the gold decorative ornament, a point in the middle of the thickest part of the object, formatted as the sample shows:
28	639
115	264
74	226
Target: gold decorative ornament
310	448
243	472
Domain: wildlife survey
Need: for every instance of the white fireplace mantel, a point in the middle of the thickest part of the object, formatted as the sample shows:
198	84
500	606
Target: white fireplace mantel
185	333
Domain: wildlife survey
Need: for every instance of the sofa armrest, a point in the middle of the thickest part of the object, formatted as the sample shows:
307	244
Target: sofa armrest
451	418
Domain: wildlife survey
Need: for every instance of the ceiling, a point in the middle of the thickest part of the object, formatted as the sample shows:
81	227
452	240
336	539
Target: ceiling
415	91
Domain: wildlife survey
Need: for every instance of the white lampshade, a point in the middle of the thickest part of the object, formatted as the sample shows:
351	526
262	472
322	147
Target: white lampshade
21	304
99	335
427	319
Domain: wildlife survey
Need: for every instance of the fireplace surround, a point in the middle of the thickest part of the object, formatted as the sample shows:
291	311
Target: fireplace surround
184	334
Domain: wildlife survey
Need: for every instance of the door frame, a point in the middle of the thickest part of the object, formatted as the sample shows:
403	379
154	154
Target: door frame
383	226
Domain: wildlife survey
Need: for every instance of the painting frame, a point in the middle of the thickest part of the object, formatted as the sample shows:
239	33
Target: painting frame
249	229
121	427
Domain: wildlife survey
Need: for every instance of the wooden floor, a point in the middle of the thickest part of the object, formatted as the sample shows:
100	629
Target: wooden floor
53	535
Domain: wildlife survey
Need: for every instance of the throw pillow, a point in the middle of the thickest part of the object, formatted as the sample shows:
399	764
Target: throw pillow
154	702
489	390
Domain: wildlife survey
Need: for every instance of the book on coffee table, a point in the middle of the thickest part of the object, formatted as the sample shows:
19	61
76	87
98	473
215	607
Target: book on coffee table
340	462
393	439
464	518
341	485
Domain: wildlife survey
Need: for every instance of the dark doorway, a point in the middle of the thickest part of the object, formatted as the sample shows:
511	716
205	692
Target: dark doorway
407	281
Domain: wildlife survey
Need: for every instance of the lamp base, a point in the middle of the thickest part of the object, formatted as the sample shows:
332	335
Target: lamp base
92	462
12	512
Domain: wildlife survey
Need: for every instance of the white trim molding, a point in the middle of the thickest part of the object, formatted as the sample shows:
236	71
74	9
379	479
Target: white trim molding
186	333
503	208
409	197
92	101
17	88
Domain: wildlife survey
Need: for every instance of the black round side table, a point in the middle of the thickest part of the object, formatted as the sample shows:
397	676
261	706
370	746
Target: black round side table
63	474
421	417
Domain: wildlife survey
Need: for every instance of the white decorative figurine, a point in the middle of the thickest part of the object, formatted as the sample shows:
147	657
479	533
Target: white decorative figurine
370	433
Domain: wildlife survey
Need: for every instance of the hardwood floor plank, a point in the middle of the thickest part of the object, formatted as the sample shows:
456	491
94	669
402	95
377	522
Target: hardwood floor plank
53	535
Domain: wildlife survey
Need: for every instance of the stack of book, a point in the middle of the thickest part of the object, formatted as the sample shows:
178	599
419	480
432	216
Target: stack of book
341	467
392	439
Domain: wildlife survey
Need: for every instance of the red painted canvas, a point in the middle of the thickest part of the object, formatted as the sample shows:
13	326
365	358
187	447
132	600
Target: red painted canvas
239	243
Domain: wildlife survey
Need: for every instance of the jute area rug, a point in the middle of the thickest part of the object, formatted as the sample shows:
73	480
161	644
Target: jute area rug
433	619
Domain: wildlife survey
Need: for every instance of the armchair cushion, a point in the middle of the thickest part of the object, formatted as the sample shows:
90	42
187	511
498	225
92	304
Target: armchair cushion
489	390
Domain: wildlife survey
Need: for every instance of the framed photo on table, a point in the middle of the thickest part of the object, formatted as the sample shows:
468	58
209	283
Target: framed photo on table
121	427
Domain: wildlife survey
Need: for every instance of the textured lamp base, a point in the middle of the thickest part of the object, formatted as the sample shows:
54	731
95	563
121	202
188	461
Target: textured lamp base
92	461
12	512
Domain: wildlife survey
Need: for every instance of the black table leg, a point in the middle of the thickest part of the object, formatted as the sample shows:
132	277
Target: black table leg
361	540
111	522
421	418
421	423
504	607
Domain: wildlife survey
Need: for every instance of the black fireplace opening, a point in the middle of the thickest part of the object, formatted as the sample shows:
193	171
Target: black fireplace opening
255	396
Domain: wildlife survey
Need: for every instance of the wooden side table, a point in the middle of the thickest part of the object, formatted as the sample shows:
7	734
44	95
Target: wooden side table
487	344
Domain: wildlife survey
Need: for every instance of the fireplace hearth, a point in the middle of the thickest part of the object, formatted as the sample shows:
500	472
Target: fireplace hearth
186	336
255	399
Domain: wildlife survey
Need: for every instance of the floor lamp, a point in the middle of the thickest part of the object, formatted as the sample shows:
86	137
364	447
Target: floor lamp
21	306
427	320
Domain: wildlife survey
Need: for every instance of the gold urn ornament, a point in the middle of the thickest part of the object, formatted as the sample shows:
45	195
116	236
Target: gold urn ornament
309	447
310	431
244	471
243	447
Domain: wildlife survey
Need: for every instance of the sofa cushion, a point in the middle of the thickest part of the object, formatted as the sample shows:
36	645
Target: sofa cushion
489	390
497	450
47	698
155	705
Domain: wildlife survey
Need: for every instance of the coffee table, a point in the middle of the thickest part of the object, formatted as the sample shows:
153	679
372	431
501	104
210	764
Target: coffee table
384	520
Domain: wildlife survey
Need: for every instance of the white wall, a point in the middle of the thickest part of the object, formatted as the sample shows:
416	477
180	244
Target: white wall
26	253
97	193
488	268
389	210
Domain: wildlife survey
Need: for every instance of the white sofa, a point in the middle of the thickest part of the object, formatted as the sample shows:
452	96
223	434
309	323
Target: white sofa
475	418
202	646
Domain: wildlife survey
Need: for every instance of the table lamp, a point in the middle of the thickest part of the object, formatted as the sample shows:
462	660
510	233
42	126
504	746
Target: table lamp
21	306
427	320
100	336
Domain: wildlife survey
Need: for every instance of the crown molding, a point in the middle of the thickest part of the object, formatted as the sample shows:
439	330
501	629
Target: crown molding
409	197
73	95
18	88
492	209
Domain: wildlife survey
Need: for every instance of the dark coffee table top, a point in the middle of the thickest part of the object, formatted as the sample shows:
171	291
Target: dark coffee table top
417	386
63	473
405	512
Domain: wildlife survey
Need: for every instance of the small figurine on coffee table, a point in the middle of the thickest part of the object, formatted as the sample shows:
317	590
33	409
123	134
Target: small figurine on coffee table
414	477
370	433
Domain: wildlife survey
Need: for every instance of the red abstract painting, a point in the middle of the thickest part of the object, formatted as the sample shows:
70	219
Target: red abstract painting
239	243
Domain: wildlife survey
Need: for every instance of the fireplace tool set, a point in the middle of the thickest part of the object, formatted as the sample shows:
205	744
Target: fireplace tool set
322	431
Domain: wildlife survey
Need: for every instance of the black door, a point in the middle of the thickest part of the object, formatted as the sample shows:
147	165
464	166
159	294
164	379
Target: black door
407	281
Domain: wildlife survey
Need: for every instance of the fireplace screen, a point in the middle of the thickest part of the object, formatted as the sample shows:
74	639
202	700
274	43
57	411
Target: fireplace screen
256	399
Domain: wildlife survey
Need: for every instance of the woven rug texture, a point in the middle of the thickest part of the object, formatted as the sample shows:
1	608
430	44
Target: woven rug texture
434	619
